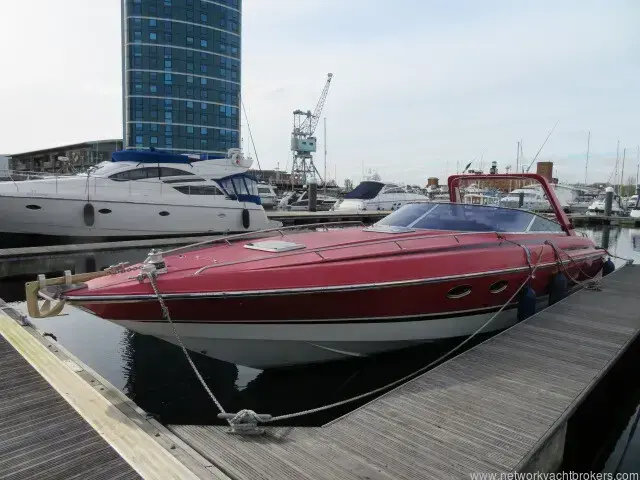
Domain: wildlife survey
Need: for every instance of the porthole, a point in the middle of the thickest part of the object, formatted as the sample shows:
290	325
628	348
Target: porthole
499	286
104	210
459	291
34	207
164	213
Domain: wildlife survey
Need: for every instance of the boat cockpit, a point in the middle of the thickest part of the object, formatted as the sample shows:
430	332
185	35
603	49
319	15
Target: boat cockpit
463	218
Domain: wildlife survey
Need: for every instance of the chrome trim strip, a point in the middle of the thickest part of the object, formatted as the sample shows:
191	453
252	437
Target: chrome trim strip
331	288
186	74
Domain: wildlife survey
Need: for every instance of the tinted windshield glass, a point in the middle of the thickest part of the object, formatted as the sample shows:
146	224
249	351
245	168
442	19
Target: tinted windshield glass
365	191
467	218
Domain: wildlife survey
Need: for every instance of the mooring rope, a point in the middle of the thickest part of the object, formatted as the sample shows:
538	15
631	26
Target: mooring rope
250	419
249	416
151	275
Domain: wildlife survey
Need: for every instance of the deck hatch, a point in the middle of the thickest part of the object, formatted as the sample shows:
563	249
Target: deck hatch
275	246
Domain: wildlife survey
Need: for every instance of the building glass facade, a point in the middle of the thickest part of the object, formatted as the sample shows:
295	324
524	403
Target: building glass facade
181	74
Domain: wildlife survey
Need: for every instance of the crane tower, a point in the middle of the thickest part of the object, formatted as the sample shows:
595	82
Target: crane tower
303	143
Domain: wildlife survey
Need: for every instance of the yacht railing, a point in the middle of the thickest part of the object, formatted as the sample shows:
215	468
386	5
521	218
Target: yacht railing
94	185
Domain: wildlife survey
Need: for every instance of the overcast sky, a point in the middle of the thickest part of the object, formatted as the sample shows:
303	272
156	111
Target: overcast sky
418	85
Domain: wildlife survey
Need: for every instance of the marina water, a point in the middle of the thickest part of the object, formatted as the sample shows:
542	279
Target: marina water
156	375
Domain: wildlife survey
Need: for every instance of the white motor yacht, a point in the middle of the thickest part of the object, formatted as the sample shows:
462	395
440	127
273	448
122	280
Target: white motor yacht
268	197
373	195
597	207
138	194
532	199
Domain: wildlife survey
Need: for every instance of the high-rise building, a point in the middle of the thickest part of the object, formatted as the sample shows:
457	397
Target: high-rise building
181	74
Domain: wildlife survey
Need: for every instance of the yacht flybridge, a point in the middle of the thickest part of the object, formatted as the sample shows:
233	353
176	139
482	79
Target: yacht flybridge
427	271
138	194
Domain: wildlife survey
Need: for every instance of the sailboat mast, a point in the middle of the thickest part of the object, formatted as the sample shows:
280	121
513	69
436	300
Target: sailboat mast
518	158
638	167
586	165
624	154
615	170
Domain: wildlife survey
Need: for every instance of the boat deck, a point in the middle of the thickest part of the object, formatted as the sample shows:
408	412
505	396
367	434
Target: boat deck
501	406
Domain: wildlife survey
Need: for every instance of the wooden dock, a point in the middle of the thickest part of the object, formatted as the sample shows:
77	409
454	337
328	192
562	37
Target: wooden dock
59	419
582	220
501	406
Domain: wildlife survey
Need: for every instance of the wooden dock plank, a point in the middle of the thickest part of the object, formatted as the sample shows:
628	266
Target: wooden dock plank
486	410
54	424
41	436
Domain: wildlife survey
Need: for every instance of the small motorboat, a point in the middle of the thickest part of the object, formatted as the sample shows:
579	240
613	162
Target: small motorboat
426	272
375	195
529	198
598	205
268	196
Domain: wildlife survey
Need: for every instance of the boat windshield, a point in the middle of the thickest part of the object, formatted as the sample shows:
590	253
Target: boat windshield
365	191
465	218
241	187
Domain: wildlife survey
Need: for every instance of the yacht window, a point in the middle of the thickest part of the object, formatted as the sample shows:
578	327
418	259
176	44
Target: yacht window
173	172
241	188
543	225
395	190
149	172
264	190
135	174
200	190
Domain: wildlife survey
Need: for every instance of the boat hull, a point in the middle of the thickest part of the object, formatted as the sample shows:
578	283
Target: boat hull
273	330
263	346
65	217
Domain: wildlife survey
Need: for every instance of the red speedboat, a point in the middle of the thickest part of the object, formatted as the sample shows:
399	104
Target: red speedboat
427	271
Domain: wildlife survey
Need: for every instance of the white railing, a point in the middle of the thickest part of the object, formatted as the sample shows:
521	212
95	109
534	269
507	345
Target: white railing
88	186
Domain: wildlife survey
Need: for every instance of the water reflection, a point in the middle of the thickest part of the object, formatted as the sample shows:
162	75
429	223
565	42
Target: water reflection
159	379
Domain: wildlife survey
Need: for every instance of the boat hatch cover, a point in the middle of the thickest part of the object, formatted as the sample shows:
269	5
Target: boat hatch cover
274	246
